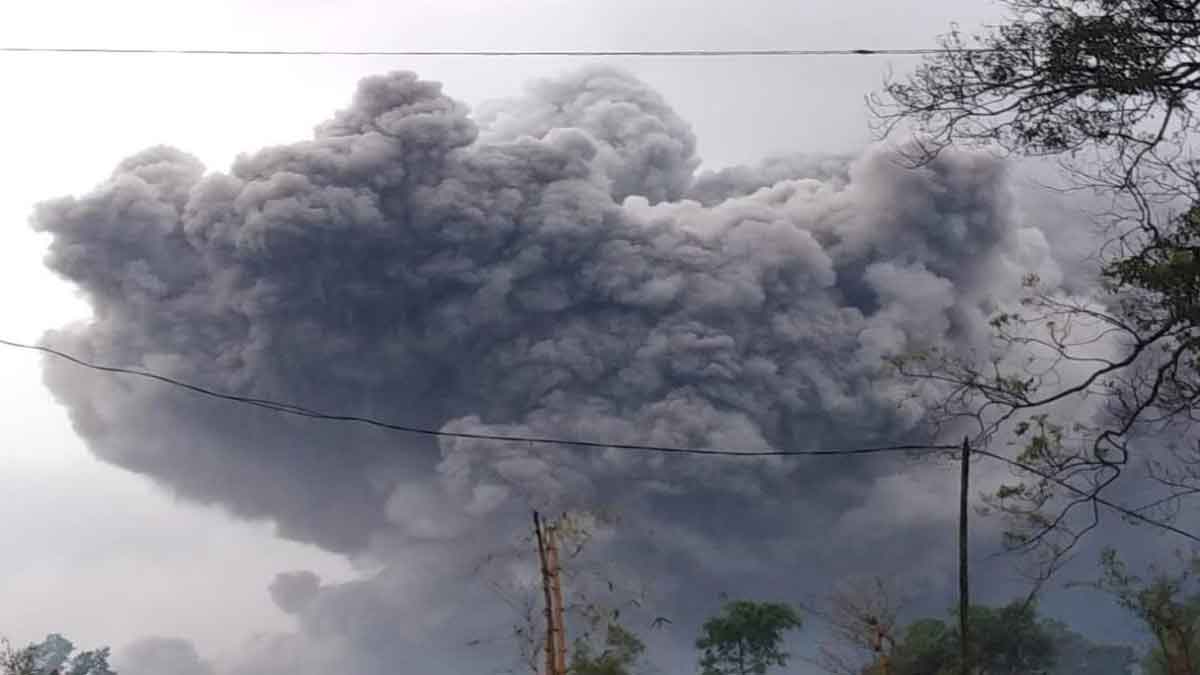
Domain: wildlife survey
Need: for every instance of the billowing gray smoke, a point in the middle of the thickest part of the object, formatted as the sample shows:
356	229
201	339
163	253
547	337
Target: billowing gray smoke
159	656
554	266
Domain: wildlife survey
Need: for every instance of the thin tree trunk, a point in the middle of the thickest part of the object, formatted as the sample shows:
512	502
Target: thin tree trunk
551	662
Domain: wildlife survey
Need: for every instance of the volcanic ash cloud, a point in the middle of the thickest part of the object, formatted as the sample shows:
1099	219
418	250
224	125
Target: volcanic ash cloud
552	266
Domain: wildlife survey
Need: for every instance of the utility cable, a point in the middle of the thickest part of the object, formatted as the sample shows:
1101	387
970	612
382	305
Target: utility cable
1125	511
292	409
489	53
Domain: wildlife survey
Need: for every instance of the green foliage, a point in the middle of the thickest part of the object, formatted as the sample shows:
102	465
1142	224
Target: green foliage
1162	282
1059	76
1008	640
1168	604
1045	441
52	656
622	649
1111	88
17	661
1076	655
746	637
928	647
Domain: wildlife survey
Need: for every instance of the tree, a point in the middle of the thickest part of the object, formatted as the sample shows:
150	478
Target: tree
17	661
622	649
745	638
1008	640
52	656
594	592
928	647
1115	77
861	616
89	663
1121	80
1076	655
1168	604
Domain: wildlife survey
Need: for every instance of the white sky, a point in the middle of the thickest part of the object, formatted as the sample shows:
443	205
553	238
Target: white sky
80	535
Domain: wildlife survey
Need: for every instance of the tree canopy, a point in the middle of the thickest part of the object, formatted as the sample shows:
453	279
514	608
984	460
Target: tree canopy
1168	605
53	656
1116	76
1007	640
620	654
745	638
1119	79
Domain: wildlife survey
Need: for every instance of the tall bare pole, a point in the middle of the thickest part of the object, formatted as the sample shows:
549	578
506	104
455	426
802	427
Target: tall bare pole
560	633
964	589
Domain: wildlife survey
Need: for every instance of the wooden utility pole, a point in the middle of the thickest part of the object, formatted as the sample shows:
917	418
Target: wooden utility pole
560	633
556	651
964	589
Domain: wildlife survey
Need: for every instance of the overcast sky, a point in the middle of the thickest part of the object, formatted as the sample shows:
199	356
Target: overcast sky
107	556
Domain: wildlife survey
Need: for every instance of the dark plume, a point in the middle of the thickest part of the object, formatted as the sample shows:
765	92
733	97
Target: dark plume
551	266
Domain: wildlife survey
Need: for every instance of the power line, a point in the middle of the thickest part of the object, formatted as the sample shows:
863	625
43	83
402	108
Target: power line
487	53
1089	495
292	409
